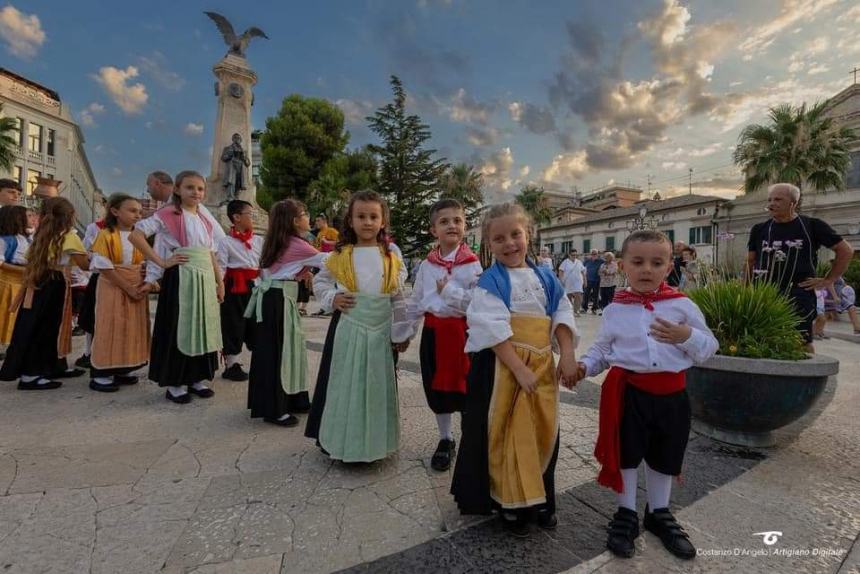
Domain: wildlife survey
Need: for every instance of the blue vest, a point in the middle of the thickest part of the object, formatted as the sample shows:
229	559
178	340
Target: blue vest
11	246
497	280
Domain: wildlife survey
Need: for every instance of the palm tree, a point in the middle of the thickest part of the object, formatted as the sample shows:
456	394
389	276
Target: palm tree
799	145
532	199
7	142
463	183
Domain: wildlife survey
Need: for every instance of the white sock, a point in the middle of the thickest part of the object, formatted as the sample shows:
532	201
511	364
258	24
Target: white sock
444	422
29	378
199	385
231	360
103	380
43	381
659	488
627	498
178	391
88	346
284	417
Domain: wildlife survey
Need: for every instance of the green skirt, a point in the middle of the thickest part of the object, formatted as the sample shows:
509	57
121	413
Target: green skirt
199	310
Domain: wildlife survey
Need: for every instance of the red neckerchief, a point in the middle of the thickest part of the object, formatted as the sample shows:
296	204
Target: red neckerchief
464	255
663	292
100	223
243	236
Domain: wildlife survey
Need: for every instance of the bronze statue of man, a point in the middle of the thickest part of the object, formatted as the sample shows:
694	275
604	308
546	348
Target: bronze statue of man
235	161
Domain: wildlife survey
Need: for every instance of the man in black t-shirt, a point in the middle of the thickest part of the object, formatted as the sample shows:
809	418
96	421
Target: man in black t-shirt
674	278
784	250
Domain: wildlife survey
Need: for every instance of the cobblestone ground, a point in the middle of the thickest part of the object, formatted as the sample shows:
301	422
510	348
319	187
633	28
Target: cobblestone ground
128	482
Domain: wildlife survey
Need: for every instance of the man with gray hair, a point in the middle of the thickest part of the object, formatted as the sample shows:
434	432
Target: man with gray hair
784	250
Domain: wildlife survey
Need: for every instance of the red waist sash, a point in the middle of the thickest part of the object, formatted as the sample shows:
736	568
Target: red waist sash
452	363
608	448
239	279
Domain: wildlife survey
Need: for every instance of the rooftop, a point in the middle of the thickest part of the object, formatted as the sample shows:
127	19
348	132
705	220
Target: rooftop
653	206
47	91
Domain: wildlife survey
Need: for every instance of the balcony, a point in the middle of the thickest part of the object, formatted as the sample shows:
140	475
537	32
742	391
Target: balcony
18	151
34	156
50	161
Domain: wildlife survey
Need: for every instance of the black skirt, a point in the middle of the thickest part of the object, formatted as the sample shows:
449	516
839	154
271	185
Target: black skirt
266	396
312	429
33	349
471	481
87	314
440	402
236	330
168	366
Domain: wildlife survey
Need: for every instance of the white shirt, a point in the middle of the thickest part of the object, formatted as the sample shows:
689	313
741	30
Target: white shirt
232	253
572	275
451	302
489	320
99	261
289	271
90	234
20	255
624	339
546	262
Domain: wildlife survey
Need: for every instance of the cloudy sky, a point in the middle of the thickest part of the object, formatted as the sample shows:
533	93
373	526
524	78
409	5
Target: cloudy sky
557	93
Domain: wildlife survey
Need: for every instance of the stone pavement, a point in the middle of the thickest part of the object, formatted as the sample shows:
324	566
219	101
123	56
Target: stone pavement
129	482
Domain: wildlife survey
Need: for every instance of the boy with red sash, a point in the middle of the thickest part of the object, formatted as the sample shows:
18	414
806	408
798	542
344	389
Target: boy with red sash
239	258
441	294
651	334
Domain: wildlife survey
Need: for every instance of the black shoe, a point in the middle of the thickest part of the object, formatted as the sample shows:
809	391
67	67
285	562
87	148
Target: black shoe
234	373
518	527
206	393
547	520
623	530
125	380
290	421
35	386
182	399
663	525
84	362
70	374
108	388
441	460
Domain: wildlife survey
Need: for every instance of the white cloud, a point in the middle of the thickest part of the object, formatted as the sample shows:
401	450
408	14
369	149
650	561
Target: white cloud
851	16
354	111
524	171
193	129
818	69
670	27
566	167
116	171
706	151
22	33
479	136
131	98
466	109
89	113
674	165
792	12
496	172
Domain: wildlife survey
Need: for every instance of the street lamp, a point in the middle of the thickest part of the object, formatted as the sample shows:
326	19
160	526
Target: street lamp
642	221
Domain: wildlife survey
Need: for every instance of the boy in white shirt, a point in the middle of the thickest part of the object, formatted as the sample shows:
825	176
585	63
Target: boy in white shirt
651	334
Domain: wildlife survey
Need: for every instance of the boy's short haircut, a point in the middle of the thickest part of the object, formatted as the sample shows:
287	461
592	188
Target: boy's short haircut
235	207
322	216
444	203
646	236
10	184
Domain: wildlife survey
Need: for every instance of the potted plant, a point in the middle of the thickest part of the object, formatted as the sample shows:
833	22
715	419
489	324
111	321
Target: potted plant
761	378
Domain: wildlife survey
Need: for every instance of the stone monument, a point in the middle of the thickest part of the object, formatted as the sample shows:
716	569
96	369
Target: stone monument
233	88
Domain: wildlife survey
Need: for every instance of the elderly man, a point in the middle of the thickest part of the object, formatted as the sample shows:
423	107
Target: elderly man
784	249
592	282
674	278
9	192
159	186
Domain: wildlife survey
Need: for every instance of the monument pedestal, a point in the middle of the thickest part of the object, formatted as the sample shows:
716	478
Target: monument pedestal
233	88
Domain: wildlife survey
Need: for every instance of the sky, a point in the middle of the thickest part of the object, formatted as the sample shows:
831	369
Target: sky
570	95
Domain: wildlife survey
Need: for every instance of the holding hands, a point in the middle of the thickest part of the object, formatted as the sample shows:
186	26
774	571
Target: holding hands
343	302
567	371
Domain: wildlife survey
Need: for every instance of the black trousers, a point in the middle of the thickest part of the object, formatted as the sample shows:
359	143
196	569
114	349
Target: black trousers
592	292
606	295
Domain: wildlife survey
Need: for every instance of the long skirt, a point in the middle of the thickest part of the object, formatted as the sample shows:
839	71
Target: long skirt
87	314
312	428
278	382
37	333
121	338
509	444
168	366
360	417
440	401
236	330
11	283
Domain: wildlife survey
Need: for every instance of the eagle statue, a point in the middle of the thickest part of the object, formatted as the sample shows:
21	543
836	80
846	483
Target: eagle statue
237	44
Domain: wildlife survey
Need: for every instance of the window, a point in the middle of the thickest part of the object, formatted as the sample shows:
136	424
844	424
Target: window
19	175
586	245
31	180
701	211
700	235
550	247
852	177
610	243
670	233
35	137
16	132
51	137
567	246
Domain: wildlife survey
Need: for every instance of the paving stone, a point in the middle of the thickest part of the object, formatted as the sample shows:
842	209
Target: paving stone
258	565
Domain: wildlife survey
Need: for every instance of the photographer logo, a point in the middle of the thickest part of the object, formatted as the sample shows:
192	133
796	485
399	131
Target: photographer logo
769	538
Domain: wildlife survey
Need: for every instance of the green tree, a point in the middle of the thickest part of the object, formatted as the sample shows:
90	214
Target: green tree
532	199
408	174
464	183
344	173
799	145
297	143
7	141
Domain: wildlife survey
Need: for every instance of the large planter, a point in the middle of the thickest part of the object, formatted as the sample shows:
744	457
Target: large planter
47	187
740	401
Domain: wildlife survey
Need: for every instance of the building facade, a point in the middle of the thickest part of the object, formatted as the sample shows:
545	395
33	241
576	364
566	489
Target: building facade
49	144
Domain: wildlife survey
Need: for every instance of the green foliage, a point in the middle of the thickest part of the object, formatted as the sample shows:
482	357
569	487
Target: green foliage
297	143
462	182
851	275
750	319
409	176
532	199
800	146
7	141
341	175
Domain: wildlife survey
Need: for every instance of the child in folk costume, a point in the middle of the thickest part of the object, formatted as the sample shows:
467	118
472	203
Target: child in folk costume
441	293
279	366
510	423
187	333
239	259
87	312
42	337
121	334
355	415
651	334
14	242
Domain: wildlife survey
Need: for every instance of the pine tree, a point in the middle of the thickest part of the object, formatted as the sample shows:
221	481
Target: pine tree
408	175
